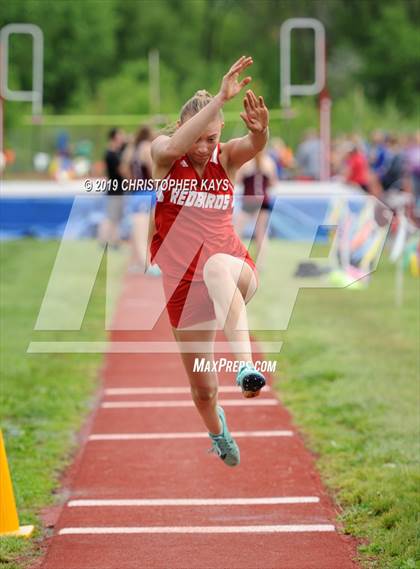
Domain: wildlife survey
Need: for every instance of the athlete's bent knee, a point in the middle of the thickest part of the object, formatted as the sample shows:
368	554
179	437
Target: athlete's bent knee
203	396
215	271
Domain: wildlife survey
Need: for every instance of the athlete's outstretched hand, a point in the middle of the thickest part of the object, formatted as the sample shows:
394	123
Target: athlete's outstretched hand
230	84
256	113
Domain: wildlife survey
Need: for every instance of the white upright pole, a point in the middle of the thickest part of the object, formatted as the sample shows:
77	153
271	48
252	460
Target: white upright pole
35	95
325	136
287	88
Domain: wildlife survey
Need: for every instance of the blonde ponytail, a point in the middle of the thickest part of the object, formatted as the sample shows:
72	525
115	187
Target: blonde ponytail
198	101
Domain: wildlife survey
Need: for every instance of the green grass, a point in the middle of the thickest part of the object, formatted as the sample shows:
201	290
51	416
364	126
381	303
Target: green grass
44	397
349	373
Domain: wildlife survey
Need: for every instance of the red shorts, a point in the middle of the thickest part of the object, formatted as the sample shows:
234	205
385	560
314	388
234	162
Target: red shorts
188	302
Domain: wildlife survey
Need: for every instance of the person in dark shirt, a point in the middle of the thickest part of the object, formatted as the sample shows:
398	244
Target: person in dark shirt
394	176
257	177
136	165
109	230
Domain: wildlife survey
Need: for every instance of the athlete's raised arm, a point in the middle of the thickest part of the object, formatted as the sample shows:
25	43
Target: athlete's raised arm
240	150
165	149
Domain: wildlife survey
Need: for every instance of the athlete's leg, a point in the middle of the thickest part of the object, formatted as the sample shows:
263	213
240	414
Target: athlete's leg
115	234
231	283
104	231
109	232
204	384
114	214
261	237
139	237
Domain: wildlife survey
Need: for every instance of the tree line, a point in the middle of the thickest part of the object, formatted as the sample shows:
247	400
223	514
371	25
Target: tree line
96	50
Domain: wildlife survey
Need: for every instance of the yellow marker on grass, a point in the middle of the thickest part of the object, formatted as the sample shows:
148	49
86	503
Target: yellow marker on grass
9	521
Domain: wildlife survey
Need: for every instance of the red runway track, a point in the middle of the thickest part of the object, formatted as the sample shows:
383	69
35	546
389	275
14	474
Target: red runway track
145	494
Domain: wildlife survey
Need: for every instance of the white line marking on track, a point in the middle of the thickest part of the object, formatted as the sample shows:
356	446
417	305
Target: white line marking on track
198	529
186	403
157	436
195	502
167	390
148	347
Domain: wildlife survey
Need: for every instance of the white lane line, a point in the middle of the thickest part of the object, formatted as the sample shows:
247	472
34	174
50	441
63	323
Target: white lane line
147	347
157	436
199	529
166	390
186	403
196	502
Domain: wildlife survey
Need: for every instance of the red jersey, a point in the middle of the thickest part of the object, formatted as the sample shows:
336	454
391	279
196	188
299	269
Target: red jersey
193	219
358	167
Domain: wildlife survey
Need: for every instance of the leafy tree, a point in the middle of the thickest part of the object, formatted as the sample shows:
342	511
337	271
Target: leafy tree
392	62
89	44
79	42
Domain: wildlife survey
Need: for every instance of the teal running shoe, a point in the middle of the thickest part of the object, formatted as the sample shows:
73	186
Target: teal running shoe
250	380
224	445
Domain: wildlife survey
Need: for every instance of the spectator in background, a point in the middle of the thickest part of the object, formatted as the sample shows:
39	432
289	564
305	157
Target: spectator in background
396	182
356	166
283	158
339	149
394	170
61	166
308	157
62	144
257	177
378	152
137	165
412	157
110	228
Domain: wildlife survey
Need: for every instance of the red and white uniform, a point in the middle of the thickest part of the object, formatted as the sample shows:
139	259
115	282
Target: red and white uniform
193	219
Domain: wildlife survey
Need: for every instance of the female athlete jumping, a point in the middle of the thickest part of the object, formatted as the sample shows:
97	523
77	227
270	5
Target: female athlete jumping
208	275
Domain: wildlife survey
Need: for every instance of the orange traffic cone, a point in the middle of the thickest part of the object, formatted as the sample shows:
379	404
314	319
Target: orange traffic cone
9	521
